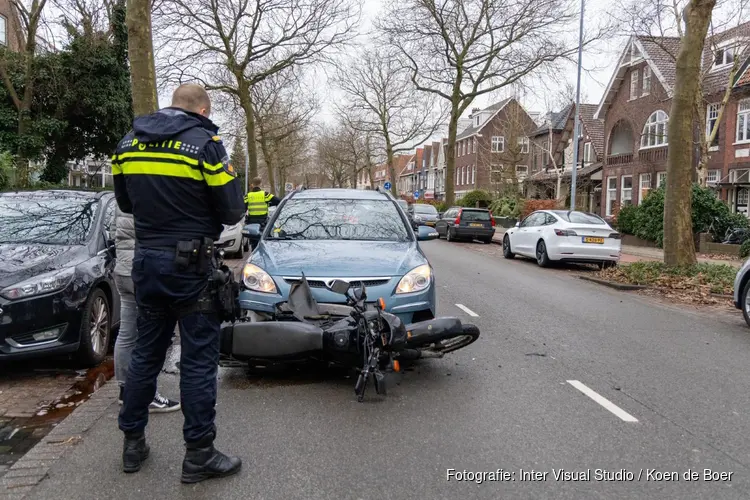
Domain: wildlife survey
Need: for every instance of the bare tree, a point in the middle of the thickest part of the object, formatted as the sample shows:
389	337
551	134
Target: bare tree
233	45
462	49
85	16
22	93
679	246
282	109
141	56
379	91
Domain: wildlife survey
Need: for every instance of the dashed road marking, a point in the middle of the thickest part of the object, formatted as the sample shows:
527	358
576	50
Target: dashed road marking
467	310
613	408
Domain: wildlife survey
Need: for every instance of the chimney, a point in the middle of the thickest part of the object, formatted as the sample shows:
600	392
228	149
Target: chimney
474	111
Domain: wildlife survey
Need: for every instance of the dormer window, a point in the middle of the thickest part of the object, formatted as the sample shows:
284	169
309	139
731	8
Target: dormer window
724	56
635	55
476	120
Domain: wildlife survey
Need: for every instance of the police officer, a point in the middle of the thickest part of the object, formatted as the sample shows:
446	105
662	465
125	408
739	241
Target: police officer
258	202
173	174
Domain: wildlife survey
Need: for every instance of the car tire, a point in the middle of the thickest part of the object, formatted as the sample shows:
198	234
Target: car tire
744	302
542	258
506	248
449	236
95	330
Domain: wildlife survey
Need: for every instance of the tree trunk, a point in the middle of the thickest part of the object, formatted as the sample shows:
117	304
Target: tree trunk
267	155
679	247
450	160
246	103
391	169
141	56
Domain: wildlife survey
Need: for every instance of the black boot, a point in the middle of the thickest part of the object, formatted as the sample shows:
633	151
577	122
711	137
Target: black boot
134	452
203	461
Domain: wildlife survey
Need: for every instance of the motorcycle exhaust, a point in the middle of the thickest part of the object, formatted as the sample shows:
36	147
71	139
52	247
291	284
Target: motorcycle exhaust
434	330
270	340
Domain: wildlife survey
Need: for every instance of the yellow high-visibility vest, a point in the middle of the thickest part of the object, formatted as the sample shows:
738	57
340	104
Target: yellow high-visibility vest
257	203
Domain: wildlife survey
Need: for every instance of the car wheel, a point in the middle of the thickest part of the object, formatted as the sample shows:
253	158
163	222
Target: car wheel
541	254
95	331
245	245
449	235
745	299
506	248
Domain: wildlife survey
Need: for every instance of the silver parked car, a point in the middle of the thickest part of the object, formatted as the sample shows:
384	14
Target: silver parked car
742	290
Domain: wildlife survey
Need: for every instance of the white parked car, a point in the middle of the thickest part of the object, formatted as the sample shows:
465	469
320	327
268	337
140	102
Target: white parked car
564	236
233	236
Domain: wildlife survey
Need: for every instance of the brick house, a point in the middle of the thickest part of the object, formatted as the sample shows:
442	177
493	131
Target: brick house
493	151
434	187
552	156
635	110
735	183
11	34
405	170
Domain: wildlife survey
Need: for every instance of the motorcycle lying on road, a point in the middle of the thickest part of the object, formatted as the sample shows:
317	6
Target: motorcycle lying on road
359	335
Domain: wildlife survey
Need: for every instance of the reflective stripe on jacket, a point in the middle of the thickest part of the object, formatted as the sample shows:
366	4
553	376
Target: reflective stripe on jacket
257	203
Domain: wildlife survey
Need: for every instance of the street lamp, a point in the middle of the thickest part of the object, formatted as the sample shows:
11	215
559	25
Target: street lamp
576	138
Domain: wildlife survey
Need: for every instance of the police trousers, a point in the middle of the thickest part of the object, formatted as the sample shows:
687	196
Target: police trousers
160	287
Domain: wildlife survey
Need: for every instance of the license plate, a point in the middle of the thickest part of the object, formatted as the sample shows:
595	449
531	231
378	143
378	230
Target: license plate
476	225
429	223
591	239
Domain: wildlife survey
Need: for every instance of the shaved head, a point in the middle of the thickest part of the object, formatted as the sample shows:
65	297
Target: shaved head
192	97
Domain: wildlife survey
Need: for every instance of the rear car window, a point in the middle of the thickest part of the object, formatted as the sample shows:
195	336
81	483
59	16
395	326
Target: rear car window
580	218
475	215
424	209
334	219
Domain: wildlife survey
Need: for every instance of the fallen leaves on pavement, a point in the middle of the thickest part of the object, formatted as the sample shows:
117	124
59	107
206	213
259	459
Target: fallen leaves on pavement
699	284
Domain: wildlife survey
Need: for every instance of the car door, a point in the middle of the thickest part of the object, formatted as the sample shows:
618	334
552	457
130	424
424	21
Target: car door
526	236
107	255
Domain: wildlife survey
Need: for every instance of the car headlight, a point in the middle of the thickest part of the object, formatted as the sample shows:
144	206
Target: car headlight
415	280
257	280
39	285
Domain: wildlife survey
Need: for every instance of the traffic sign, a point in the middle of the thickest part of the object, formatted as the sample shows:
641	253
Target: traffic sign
387	186
288	186
416	195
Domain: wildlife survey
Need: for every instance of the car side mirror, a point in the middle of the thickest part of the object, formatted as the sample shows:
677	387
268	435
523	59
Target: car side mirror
251	230
518	224
340	287
426	233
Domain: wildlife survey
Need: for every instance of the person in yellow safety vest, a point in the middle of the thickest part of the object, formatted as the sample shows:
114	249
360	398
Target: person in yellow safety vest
257	202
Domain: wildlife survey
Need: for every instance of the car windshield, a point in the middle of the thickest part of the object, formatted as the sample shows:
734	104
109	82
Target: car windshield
339	219
579	217
52	219
425	209
475	215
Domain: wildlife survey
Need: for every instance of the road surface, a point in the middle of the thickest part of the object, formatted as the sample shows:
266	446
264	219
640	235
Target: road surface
644	397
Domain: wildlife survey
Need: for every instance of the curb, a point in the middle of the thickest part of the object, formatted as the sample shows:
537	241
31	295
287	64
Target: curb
611	284
34	466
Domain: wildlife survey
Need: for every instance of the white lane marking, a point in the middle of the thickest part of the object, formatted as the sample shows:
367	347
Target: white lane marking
622	414
467	310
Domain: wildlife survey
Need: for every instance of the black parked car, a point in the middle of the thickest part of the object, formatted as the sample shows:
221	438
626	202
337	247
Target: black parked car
459	223
57	294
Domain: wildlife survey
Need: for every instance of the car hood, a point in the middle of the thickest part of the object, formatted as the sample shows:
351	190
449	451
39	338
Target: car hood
337	259
19	262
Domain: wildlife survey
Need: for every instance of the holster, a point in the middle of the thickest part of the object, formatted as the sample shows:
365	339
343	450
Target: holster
195	254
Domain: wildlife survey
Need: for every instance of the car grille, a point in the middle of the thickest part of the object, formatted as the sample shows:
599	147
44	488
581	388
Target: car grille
319	283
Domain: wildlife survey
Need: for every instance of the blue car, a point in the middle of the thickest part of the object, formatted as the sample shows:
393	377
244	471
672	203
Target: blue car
360	236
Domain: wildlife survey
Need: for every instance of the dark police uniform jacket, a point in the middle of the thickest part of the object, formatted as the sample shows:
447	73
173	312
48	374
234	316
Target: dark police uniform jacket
173	174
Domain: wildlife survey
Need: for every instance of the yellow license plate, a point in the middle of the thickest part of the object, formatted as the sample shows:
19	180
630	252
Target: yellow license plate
429	223
476	225
591	239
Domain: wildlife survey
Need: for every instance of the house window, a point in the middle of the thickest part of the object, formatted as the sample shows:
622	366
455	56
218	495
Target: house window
463	175
587	153
611	194
713	176
645	187
522	171
661	179
498	144
712	116
497	174
724	56
476	121
655	131
646	83
743	121
634	84
524	143
473	173
626	190
474	145
3	31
